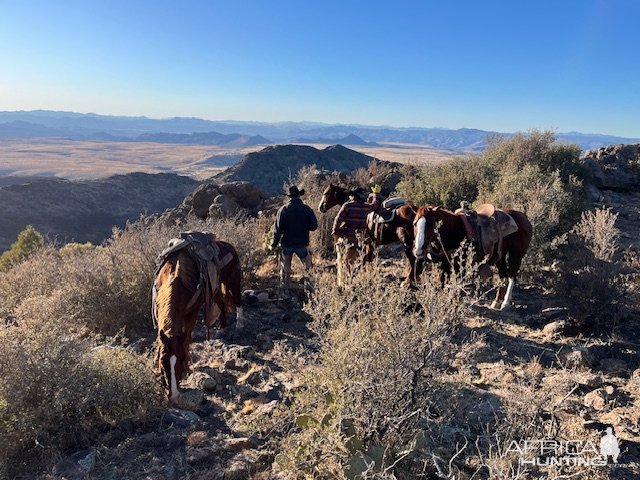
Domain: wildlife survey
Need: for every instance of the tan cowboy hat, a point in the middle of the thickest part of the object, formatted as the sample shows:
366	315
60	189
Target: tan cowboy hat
294	192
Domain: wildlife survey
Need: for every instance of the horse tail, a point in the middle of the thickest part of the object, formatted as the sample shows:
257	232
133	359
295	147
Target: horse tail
231	281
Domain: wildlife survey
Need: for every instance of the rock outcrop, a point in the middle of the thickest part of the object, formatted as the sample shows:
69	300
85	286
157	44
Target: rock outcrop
212	200
615	167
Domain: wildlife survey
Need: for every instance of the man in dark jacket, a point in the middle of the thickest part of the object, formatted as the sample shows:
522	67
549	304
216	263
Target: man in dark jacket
293	223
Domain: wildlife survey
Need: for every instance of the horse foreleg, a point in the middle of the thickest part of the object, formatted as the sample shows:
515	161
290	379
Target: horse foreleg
175	393
507	298
407	243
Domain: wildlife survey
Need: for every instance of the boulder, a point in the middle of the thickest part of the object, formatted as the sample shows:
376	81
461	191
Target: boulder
484	411
555	328
202	198
204	381
245	194
578	357
239	444
223	206
597	399
181	418
76	466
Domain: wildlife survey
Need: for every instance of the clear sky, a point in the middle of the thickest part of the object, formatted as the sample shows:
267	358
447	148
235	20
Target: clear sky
496	65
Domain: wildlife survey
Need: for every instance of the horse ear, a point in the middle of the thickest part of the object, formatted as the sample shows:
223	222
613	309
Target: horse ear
163	337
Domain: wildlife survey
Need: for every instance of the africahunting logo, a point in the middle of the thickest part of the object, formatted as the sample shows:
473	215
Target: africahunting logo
566	453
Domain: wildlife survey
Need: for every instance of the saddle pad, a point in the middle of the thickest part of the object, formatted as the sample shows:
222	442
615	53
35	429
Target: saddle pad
393	202
175	245
507	224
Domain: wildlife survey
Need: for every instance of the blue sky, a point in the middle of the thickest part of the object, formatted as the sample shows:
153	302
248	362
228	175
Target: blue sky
495	65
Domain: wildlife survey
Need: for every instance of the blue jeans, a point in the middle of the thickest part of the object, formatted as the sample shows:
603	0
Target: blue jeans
286	255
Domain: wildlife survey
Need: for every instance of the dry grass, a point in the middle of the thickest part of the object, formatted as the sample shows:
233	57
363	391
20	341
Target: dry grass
95	159
88	160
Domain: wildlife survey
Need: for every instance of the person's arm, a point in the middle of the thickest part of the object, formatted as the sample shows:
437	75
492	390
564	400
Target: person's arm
339	220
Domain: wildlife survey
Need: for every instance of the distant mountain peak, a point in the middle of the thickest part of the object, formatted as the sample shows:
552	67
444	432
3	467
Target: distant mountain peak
272	166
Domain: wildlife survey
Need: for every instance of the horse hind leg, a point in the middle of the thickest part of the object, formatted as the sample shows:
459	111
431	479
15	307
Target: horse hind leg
503	272
515	261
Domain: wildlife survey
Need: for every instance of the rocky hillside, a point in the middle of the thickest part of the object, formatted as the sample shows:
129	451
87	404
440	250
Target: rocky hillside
86	210
271	167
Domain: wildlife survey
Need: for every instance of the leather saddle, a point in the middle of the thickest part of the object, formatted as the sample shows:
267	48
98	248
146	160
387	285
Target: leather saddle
385	214
210	257
487	226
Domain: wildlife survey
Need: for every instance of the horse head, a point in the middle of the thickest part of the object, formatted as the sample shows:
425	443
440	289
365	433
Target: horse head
336	195
173	362
424	230
329	198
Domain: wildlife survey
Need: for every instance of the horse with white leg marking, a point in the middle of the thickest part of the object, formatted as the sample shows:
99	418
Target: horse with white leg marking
183	285
439	232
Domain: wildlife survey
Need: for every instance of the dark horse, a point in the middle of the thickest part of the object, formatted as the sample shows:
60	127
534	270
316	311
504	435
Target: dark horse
177	304
399	229
452	234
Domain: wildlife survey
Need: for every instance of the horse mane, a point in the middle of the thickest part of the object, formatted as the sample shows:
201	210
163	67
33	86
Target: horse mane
430	208
179	281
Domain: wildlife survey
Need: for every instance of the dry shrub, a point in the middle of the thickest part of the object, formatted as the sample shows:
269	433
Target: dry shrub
598	232
593	283
55	391
367	396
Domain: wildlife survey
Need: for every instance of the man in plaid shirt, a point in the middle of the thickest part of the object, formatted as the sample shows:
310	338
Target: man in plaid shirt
350	221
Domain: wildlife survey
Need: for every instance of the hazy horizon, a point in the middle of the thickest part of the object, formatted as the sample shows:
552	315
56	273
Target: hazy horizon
569	66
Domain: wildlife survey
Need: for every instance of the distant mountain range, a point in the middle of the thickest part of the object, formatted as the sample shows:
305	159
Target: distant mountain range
78	126
350	139
205	138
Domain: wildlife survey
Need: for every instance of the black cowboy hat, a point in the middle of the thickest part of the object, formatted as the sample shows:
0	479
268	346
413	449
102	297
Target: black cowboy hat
294	192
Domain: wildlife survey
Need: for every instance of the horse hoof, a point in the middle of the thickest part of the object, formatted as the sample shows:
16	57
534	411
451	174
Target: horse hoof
504	307
494	305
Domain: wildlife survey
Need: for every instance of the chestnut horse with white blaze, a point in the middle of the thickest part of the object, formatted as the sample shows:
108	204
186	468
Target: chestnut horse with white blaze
399	229
177	303
440	232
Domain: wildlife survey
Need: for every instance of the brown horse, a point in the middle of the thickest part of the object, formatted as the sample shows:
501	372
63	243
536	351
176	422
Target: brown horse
177	304
399	229
439	232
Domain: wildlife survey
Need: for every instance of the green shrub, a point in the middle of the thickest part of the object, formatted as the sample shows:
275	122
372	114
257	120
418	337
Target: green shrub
527	172
28	242
445	184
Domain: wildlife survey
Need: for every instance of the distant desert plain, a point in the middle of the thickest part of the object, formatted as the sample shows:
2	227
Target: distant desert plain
73	159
